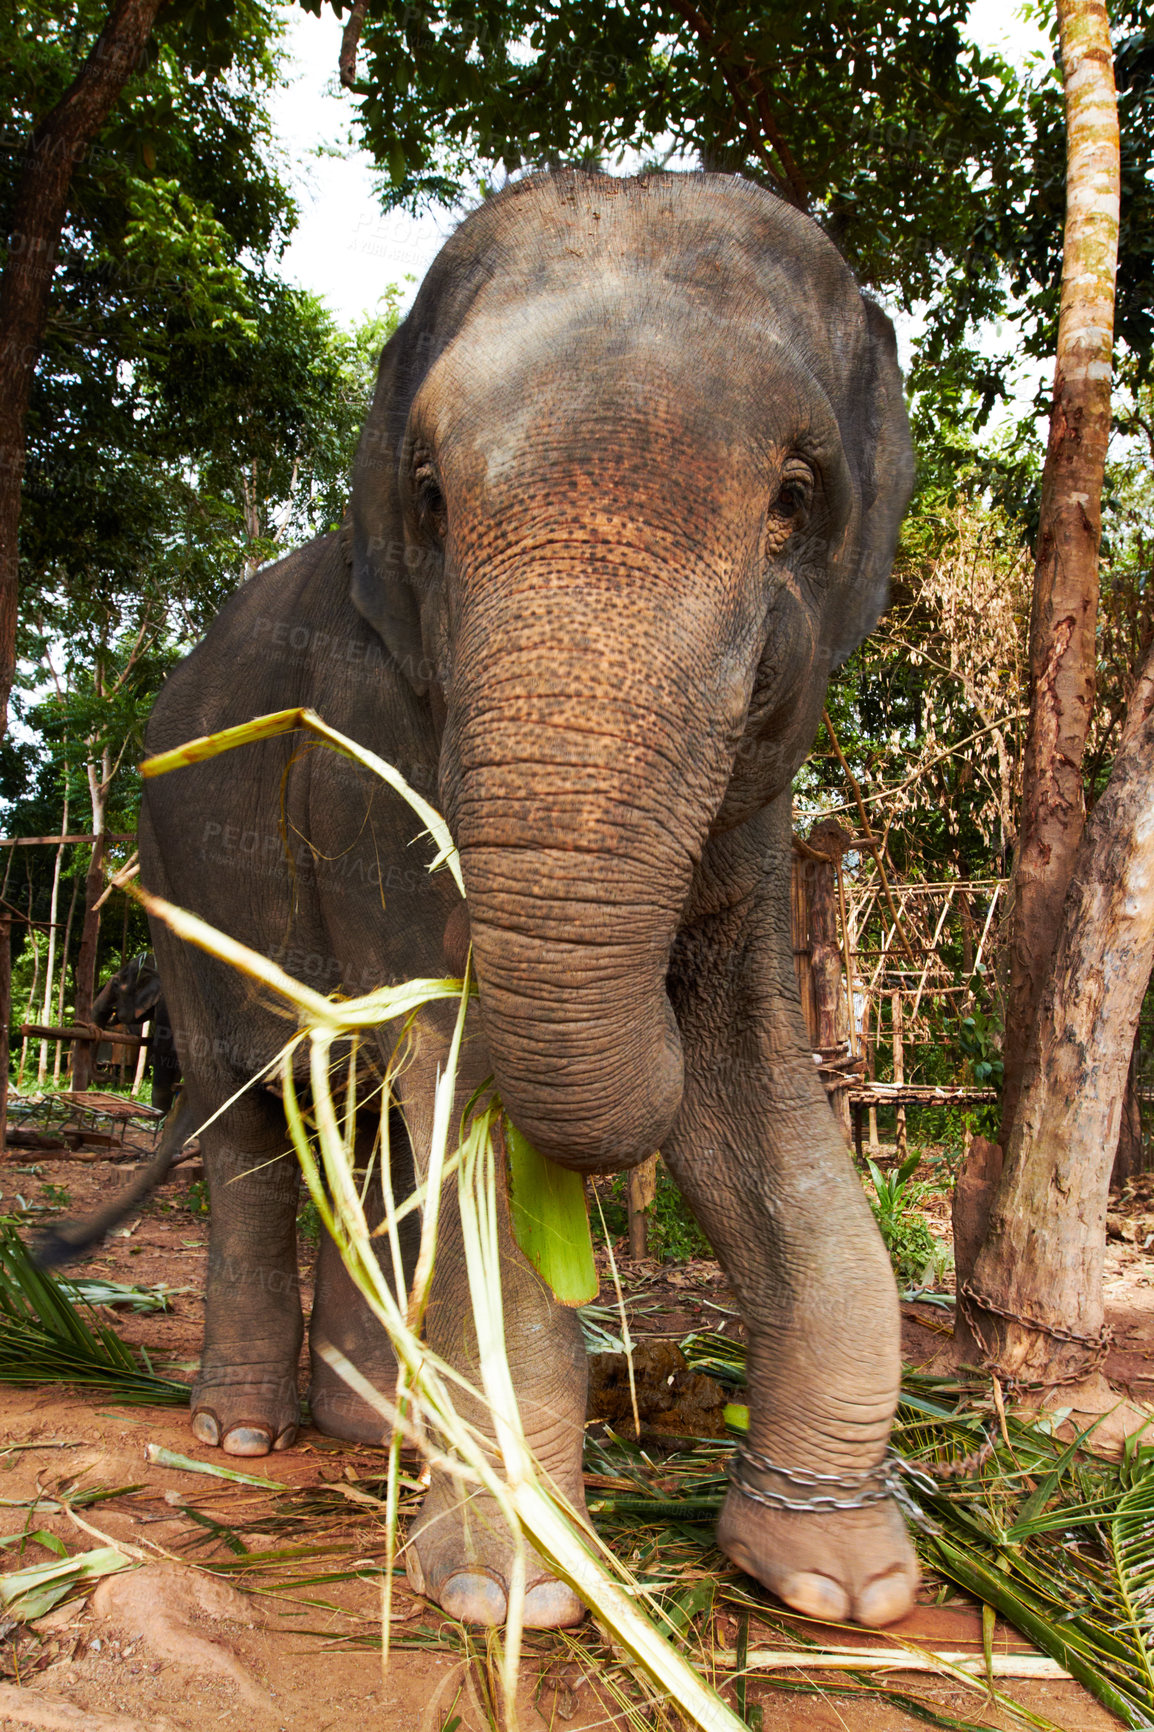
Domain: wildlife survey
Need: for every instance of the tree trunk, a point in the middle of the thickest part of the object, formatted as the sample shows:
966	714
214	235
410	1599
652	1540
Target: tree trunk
829	841
1043	1255
642	1193
83	1051
41	205
31	992
1065	607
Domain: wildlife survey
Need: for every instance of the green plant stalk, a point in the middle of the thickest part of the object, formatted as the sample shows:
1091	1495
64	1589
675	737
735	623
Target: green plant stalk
575	1555
525	1505
557	1230
288	721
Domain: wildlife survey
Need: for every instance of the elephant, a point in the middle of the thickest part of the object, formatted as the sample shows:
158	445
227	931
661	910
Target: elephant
628	491
130	998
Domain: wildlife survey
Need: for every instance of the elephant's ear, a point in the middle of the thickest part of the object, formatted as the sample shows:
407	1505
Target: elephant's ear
382	589
886	479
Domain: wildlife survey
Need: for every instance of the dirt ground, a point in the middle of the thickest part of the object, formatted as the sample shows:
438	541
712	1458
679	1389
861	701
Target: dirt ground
168	1647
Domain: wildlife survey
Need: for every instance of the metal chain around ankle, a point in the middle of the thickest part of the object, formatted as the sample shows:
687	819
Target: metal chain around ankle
887	1479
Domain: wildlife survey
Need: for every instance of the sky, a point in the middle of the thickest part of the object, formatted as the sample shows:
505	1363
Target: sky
345	249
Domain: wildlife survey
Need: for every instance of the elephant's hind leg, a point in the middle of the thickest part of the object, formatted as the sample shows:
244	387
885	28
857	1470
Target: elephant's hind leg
340	1318
245	1394
459	1547
459	1551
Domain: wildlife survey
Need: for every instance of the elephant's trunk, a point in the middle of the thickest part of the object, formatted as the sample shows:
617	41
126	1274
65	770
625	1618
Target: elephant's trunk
579	807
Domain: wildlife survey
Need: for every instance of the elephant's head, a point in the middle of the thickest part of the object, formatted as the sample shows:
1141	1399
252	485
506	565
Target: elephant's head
130	995
629	489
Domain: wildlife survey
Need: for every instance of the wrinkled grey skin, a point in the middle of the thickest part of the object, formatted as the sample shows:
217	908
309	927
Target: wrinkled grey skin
629	489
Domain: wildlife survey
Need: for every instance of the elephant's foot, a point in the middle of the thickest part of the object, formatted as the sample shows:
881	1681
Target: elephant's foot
245	1409
338	1411
341	1321
459	1554
843	1566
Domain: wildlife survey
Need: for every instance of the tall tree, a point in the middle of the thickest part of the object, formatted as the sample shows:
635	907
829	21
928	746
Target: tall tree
1064	617
1083	934
125	223
58	141
1034	1299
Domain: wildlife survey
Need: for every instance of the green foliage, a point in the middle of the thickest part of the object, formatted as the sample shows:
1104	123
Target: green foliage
47	1337
944	190
914	1252
673	1234
196	1199
192	416
309	1223
980	1039
979	1036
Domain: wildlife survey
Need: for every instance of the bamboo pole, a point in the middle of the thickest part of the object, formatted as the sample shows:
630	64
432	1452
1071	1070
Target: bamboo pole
141	1057
899	1073
56	1068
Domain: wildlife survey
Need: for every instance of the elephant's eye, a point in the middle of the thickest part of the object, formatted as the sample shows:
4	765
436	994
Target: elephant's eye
794	493
431	507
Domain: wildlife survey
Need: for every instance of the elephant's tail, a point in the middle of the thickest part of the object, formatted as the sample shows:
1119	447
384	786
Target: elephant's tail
68	1240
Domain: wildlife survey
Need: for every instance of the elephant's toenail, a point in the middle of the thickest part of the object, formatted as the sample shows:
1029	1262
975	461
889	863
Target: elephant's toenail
552	1606
206	1426
886	1598
286	1438
815	1595
474	1597
248	1440
414	1572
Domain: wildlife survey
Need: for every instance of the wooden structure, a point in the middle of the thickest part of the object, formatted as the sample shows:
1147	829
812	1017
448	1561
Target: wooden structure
873	961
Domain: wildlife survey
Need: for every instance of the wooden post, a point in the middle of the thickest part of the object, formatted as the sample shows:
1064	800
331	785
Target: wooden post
141	1057
899	1073
799	921
83	1055
869	1040
828	841
5	1021
642	1190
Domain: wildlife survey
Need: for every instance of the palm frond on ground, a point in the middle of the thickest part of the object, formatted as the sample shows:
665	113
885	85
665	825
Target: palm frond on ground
50	1334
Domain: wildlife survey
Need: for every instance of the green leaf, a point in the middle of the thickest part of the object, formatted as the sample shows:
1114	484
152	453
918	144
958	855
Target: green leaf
29	1593
550	1216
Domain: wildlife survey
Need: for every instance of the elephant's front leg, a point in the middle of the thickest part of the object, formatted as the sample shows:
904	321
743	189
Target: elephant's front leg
762	1163
459	1549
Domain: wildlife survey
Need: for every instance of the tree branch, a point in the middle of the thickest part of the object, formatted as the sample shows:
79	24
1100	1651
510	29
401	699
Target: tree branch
787	180
350	42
